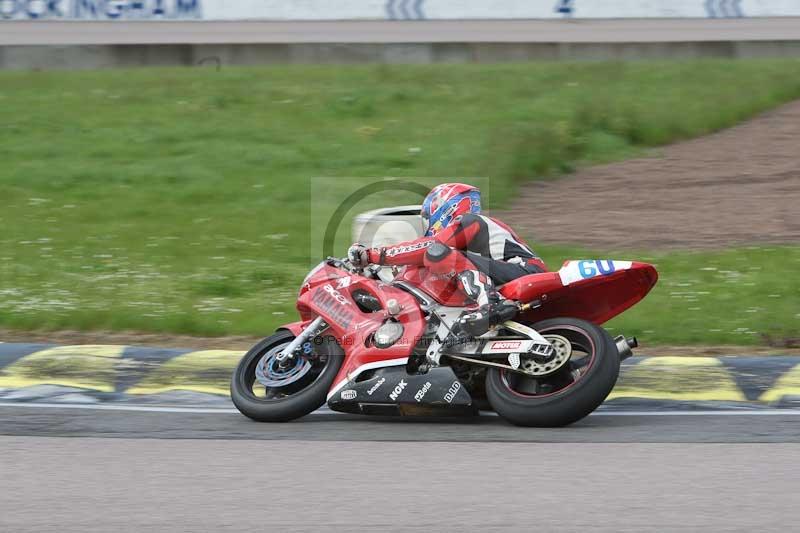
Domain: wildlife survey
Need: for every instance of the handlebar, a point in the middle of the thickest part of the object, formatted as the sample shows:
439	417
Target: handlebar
346	264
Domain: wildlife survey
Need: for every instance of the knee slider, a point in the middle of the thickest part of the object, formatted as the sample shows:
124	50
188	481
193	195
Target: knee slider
437	252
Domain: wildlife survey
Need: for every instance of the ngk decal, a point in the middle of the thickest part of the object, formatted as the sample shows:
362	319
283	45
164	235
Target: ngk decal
397	390
421	393
505	345
349	395
452	391
376	386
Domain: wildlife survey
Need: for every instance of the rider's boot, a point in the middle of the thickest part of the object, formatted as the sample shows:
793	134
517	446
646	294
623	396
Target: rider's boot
493	310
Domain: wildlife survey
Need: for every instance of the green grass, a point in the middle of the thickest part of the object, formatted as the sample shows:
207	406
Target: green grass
181	200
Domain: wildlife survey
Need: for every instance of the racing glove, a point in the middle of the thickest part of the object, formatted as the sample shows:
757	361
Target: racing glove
358	254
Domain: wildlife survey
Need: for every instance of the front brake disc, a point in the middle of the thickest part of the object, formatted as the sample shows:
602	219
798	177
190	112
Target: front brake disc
270	372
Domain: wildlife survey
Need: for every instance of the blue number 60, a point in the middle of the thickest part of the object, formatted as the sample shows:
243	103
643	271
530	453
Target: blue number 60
587	269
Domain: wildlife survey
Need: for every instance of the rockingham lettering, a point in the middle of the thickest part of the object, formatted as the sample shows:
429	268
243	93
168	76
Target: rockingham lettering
100	9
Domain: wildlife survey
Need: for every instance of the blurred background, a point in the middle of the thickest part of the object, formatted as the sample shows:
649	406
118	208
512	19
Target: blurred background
168	169
180	200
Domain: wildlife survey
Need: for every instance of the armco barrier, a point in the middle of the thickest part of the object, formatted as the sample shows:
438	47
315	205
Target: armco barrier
48	44
113	373
225	55
388	9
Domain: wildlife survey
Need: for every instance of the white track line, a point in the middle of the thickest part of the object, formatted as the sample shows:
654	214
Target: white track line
116	407
222	410
741	412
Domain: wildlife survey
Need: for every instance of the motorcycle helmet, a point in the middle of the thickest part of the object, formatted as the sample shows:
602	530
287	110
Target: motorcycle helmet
445	203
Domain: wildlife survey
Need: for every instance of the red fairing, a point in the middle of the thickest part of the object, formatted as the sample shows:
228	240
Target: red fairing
442	288
329	294
597	299
295	327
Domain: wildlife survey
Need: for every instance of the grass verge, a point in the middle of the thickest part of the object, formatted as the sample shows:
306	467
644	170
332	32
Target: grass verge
177	200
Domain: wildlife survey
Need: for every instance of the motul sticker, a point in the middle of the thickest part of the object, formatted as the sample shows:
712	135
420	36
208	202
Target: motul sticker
505	345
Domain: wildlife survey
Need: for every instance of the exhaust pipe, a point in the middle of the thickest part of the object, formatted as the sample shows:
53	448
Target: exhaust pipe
625	346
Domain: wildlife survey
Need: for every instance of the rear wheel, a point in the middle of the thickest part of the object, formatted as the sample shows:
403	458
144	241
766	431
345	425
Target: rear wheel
566	395
268	390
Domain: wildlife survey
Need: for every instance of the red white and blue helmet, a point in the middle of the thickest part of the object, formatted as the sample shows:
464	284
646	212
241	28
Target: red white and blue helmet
445	203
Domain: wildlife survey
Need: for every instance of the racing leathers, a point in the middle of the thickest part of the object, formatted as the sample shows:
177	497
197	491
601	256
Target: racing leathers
482	251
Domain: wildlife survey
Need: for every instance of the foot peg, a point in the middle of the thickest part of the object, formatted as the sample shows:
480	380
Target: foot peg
478	322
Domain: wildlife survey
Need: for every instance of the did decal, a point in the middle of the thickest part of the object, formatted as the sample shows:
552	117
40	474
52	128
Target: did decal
452	391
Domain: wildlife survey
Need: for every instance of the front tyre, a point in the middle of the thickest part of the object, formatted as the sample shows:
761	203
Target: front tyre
567	395
295	388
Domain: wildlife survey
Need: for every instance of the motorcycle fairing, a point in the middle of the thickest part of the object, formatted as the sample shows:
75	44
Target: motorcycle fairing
295	327
328	293
393	391
593	290
442	288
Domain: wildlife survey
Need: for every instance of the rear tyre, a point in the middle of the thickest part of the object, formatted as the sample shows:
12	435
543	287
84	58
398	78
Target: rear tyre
566	396
300	396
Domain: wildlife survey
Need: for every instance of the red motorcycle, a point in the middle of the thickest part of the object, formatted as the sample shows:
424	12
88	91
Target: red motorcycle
394	347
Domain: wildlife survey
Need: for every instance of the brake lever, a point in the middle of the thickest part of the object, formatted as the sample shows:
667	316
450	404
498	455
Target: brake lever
350	267
372	271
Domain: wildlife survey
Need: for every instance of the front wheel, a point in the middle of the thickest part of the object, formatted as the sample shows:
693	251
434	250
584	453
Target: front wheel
268	390
567	395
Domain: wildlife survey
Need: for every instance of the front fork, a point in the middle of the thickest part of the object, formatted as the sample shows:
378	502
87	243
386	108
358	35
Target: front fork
311	331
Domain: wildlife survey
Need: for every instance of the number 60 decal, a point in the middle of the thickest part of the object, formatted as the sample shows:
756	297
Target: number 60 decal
590	269
579	270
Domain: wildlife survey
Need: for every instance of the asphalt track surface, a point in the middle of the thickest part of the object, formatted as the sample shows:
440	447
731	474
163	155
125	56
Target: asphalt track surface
382	31
617	426
145	468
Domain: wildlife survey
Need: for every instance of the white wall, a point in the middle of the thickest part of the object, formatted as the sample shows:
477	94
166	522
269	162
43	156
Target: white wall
389	9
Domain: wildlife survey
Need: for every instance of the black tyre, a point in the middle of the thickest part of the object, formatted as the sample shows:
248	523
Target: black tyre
296	390
567	395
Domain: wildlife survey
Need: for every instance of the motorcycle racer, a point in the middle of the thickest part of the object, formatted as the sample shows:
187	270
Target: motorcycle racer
481	251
